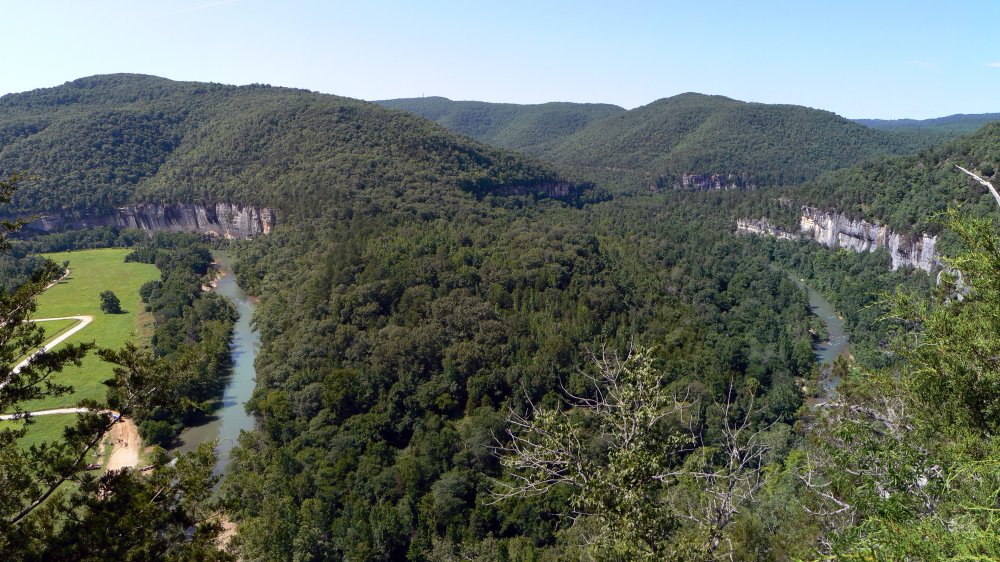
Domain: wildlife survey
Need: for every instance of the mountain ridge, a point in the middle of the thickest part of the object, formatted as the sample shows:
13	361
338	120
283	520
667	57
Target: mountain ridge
506	125
688	134
127	138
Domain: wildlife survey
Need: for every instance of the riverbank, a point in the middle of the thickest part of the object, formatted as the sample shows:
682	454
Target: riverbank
226	423
835	344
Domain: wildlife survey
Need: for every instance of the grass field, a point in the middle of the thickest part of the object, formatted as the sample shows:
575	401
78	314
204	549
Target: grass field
43	429
93	271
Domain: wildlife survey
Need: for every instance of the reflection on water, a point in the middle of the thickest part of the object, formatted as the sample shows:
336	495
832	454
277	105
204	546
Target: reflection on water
231	418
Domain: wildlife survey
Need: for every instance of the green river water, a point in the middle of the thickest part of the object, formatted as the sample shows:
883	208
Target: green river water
231	418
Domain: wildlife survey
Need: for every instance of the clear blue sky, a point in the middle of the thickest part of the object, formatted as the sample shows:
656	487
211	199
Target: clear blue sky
871	58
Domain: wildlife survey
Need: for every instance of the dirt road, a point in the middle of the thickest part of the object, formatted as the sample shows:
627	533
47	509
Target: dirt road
124	435
84	320
125	445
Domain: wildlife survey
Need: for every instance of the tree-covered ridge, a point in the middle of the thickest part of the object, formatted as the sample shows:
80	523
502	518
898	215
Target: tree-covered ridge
695	133
760	144
957	124
107	140
507	125
909	193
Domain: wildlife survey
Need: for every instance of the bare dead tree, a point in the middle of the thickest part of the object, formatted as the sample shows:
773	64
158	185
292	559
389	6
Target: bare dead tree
544	448
729	477
862	441
629	486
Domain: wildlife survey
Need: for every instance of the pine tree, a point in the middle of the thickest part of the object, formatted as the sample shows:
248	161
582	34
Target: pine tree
120	515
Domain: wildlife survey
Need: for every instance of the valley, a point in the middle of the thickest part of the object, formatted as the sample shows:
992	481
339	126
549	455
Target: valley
231	417
436	317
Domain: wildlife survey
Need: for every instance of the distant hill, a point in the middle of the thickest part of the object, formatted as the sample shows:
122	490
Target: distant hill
507	125
749	143
689	141
102	141
957	124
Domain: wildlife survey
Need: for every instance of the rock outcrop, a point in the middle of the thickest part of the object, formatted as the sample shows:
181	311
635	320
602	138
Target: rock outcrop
221	219
707	182
761	226
835	230
226	220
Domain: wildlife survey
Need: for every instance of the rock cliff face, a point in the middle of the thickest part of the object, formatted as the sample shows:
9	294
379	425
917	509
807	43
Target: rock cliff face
707	182
837	231
761	226
220	219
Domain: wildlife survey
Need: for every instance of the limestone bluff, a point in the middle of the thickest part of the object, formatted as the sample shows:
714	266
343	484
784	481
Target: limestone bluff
226	220
836	230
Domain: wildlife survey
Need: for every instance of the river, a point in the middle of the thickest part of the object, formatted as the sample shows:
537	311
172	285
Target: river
836	344
226	423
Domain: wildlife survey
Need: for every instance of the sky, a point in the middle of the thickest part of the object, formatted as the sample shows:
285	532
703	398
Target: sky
861	59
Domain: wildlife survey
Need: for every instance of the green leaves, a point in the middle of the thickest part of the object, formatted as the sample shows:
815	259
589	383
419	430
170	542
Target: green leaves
614	449
910	456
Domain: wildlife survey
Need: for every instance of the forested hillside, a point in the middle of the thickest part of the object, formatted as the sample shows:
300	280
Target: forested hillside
131	138
910	193
507	125
953	125
698	134
455	367
722	143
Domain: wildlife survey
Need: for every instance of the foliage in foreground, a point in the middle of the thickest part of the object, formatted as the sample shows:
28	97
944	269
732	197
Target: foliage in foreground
644	480
907	463
121	514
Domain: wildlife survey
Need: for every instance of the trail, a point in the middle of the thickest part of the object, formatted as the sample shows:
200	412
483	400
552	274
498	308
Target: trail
45	413
125	445
84	321
124	435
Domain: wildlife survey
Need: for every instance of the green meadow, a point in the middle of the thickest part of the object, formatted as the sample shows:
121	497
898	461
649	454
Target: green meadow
43	429
93	271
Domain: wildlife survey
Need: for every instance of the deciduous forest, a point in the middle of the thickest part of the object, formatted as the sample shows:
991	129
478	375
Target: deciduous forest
517	333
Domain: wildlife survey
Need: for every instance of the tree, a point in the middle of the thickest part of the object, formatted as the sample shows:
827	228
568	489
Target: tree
110	303
634	461
121	514
905	462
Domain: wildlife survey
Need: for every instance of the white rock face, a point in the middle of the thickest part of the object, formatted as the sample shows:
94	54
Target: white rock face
221	219
227	220
837	231
834	230
764	227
